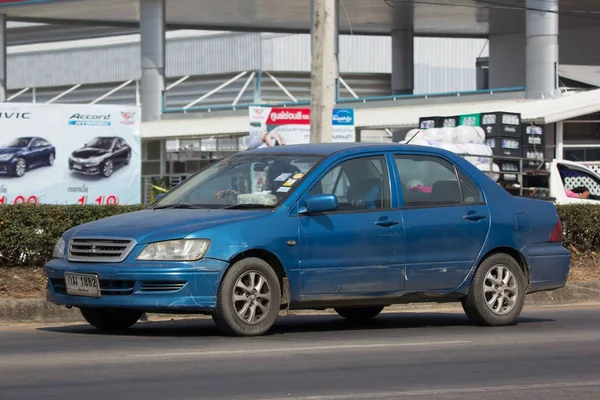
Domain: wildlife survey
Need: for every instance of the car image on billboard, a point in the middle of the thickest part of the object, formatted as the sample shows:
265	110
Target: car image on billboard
24	153
100	156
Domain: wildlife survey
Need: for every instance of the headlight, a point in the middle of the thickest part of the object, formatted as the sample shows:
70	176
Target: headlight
59	249
175	250
6	157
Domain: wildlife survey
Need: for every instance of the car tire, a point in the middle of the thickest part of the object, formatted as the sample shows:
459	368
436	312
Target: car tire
20	168
51	159
107	168
497	292
111	319
128	160
359	314
248	299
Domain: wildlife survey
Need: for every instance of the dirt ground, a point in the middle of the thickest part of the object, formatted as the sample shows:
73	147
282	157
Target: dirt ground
28	283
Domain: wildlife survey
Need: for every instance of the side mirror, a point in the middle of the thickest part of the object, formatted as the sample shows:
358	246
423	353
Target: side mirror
158	196
320	203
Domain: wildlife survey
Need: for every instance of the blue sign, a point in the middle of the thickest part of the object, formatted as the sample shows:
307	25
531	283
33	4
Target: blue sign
343	116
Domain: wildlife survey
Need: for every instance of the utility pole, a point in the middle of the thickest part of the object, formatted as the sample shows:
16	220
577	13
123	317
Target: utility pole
323	71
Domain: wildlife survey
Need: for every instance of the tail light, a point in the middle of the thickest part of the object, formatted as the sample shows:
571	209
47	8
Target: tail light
557	233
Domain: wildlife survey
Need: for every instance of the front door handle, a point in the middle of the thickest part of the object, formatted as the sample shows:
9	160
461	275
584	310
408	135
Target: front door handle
474	217
386	222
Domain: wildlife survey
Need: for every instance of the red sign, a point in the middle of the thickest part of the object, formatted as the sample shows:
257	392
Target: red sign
284	116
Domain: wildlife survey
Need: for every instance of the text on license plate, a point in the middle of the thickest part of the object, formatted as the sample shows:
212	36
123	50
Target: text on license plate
76	166
82	284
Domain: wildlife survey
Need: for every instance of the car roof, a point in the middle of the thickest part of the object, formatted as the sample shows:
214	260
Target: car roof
326	149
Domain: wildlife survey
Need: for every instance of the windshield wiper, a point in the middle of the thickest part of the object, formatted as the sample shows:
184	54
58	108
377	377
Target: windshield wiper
240	206
182	205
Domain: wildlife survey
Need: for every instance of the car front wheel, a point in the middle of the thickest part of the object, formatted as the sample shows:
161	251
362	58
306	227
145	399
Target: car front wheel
497	293
111	319
20	167
107	168
248	299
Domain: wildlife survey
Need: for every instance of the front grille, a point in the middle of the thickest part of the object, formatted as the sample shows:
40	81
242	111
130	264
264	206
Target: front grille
156	286
99	250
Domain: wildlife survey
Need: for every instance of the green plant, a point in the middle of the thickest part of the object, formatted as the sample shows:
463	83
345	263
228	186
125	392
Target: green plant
581	226
28	233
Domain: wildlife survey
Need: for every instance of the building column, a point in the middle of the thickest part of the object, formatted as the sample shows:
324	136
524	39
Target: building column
3	62
152	32
541	55
560	140
403	49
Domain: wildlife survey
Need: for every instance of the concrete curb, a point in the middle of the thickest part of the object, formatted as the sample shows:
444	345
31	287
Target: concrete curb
40	311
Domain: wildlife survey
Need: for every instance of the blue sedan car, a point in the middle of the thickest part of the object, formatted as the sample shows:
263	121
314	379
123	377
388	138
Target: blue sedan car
24	153
354	227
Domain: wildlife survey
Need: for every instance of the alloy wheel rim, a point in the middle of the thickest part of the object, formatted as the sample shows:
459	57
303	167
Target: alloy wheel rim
108	168
51	159
21	167
500	290
251	297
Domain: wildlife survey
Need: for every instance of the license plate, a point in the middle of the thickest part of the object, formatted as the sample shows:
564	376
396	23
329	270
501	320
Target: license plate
82	284
76	166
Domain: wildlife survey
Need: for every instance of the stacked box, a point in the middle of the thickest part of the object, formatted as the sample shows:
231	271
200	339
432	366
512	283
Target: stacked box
534	147
438	122
505	146
501	124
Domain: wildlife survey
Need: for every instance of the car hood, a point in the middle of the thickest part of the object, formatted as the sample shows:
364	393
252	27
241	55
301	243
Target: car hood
88	152
155	225
8	150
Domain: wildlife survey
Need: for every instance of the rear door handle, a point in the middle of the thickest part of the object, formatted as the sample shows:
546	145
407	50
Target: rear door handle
386	222
474	217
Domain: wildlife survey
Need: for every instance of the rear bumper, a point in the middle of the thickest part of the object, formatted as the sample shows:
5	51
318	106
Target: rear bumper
169	288
549	266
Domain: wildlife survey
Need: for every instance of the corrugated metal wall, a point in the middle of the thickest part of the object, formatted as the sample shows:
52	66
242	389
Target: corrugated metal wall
441	65
447	64
360	54
194	56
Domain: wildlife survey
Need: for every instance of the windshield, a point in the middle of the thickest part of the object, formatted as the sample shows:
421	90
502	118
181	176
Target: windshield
241	181
18	142
101	143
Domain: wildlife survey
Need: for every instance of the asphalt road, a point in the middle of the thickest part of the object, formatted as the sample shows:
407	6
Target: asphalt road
549	354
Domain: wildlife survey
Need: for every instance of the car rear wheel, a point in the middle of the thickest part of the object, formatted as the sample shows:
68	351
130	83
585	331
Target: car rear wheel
359	314
128	160
51	159
107	168
248	299
20	167
111	319
497	293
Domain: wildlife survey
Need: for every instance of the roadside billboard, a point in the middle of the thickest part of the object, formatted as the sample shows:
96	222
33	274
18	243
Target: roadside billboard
69	154
278	126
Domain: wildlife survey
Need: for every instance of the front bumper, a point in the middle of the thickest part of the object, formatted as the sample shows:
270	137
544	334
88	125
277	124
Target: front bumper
7	167
153	287
84	169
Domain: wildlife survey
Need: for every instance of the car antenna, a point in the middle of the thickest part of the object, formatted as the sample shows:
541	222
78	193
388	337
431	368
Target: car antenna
413	136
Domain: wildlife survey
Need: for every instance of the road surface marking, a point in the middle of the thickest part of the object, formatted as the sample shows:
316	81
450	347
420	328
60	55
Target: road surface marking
443	392
301	349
